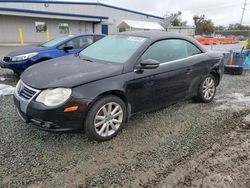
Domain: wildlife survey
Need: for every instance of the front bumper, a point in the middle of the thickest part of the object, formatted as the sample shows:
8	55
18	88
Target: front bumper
18	66
2	64
54	119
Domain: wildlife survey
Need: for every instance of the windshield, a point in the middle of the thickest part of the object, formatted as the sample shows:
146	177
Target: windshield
55	41
114	48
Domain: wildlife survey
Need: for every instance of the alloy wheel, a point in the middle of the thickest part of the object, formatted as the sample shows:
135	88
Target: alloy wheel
208	88
108	119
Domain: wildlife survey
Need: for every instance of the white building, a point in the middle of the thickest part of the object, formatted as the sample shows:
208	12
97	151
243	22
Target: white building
35	17
131	25
186	30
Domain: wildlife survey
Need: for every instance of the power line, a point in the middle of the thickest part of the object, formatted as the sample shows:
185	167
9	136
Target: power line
243	12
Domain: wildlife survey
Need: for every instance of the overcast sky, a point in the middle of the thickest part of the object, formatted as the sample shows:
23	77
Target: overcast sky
222	12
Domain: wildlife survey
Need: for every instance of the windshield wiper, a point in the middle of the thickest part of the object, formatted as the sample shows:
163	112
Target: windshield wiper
85	59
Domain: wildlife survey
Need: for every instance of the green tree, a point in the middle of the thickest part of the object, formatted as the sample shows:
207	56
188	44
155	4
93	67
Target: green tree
203	25
220	28
177	19
238	26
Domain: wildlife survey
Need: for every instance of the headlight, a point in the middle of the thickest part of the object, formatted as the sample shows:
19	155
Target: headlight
23	57
54	97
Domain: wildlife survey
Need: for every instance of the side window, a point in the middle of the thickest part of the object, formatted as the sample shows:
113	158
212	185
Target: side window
98	37
86	41
166	50
192	49
79	42
74	42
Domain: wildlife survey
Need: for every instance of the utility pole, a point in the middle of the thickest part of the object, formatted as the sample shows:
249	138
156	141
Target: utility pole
243	12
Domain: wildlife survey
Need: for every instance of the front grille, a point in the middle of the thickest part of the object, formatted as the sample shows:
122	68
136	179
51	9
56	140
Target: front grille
25	91
7	59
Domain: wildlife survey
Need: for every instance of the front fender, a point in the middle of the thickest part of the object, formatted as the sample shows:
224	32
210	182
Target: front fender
46	55
218	69
94	89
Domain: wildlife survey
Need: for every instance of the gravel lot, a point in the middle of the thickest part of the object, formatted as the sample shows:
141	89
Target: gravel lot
185	145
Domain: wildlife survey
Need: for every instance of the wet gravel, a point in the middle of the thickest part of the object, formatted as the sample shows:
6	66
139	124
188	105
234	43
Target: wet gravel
225	163
146	154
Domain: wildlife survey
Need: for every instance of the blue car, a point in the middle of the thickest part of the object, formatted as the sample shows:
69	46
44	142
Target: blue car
20	60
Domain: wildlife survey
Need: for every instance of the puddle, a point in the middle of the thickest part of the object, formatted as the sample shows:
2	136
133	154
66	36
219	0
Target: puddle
6	90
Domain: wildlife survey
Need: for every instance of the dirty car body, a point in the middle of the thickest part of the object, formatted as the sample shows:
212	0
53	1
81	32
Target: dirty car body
161	69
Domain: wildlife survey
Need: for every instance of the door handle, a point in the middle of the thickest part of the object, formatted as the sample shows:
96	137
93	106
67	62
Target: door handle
189	71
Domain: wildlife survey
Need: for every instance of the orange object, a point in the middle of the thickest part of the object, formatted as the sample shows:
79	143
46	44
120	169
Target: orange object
230	59
208	41
71	109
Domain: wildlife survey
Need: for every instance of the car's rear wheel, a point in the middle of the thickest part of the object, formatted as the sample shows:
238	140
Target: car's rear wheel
106	118
207	89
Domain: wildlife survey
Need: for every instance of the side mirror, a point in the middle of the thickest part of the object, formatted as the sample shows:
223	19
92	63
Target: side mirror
67	48
149	64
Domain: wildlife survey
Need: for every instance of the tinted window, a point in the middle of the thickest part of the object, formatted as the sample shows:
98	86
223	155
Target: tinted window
98	37
170	50
192	49
166	50
114	48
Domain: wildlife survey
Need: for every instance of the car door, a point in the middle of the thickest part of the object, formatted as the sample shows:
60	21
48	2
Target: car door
169	82
199	65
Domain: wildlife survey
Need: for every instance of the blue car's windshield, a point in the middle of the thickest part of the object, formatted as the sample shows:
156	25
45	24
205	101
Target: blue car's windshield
114	48
55	41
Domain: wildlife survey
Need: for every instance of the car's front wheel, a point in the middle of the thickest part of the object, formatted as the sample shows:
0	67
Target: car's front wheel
207	89
106	118
17	73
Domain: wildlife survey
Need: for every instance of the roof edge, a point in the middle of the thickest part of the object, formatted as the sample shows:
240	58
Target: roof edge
51	13
80	3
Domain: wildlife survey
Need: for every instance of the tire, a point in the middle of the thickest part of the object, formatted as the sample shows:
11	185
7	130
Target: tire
18	74
106	118
207	89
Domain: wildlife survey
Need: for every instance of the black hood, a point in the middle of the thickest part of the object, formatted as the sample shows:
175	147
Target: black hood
68	71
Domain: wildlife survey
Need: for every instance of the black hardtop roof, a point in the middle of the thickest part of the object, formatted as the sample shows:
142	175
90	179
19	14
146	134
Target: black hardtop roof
159	35
153	34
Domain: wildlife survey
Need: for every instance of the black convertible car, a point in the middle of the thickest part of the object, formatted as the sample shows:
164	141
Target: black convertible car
116	77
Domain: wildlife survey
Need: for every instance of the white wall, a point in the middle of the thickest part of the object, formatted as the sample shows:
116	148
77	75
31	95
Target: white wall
185	31
9	24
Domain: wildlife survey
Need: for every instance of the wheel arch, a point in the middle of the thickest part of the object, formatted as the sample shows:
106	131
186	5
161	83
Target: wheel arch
118	93
216	75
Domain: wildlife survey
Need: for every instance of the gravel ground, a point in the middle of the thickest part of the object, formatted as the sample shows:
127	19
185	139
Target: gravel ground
185	145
